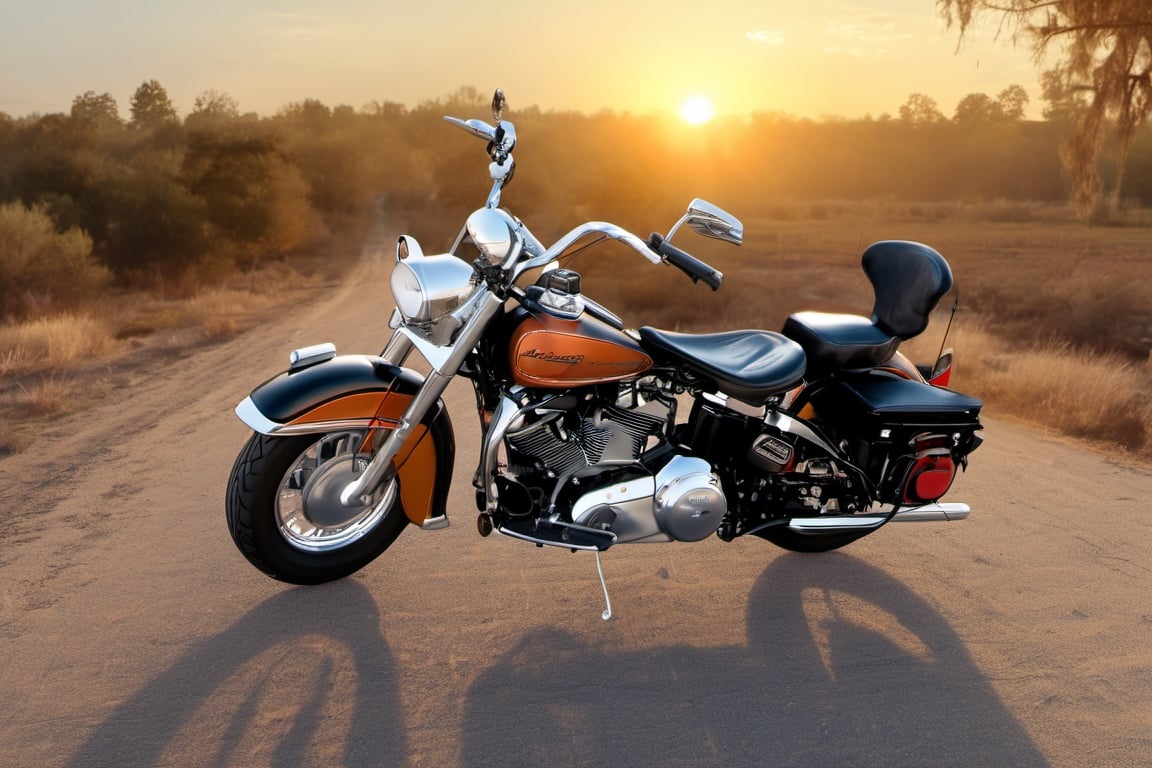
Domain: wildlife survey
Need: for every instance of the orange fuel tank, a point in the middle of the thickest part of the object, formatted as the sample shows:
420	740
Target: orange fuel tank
550	351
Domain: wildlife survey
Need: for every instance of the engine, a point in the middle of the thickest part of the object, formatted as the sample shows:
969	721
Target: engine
776	467
609	467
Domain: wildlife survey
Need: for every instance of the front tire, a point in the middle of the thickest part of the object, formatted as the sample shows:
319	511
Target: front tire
284	513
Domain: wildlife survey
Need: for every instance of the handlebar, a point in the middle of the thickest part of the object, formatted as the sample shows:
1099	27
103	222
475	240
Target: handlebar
702	216
685	262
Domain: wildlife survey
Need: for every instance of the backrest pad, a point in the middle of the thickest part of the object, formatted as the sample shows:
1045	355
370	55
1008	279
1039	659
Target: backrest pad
909	280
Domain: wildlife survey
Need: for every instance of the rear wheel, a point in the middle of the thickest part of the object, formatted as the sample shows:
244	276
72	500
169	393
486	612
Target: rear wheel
786	538
284	511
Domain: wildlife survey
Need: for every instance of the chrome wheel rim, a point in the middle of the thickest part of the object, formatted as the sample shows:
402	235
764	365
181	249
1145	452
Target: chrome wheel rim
309	514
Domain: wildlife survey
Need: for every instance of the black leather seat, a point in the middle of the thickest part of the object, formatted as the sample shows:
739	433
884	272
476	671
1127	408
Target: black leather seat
908	279
747	365
833	342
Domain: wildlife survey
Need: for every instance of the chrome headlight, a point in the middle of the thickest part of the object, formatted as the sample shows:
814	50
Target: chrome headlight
428	287
496	234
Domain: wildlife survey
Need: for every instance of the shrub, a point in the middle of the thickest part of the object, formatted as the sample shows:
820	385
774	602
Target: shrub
44	269
52	341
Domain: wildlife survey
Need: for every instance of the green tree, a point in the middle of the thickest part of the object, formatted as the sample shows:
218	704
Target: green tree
921	110
978	109
1106	47
157	228
98	111
44	269
211	109
1012	102
151	108
308	115
256	201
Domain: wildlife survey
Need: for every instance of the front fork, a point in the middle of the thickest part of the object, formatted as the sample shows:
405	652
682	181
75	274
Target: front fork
445	361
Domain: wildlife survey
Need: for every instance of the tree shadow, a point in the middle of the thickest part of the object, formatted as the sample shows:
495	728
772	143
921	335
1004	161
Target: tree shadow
844	666
304	678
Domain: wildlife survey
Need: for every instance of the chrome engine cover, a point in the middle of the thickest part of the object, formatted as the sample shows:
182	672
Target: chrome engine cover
689	503
682	502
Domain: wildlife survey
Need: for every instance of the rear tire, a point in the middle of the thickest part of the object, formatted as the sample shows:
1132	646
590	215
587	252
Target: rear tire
785	538
284	513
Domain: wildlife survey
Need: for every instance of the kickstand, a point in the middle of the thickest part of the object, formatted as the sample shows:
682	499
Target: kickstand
607	603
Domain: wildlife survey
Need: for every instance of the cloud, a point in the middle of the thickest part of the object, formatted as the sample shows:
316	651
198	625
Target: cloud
299	26
867	29
770	37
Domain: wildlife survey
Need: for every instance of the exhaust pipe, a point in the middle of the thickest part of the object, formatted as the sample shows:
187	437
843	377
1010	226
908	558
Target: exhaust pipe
933	513
928	513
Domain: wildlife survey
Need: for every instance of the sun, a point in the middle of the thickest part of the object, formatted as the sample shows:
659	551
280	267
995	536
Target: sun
697	110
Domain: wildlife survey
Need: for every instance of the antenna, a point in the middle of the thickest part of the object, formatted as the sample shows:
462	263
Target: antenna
951	317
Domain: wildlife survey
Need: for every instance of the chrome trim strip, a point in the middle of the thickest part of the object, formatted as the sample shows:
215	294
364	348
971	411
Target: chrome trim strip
835	523
933	513
251	415
334	426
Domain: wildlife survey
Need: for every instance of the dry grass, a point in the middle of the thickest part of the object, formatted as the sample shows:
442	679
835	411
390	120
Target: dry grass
53	342
218	313
50	395
1101	397
36	356
1055	326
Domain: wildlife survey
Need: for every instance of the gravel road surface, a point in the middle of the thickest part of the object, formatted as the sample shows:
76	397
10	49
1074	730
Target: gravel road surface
132	633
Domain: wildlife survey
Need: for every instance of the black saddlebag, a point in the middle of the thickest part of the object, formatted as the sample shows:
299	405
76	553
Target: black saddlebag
907	436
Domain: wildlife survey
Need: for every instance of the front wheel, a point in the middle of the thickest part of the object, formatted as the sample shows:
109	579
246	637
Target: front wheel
284	511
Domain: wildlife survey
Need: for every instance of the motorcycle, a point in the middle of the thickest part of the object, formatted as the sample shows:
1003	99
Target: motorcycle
810	438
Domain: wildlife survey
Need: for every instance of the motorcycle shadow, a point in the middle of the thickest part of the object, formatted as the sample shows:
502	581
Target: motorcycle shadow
845	666
304	678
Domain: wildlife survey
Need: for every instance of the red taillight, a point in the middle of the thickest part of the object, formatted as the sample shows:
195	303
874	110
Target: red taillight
942	370
941	379
929	479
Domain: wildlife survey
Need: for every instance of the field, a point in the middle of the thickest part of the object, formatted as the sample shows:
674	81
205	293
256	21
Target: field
57	364
1054	324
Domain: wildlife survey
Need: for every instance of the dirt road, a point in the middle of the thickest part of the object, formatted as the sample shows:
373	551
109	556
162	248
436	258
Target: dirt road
132	633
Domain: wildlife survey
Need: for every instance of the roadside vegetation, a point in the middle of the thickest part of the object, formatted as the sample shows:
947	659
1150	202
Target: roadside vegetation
119	234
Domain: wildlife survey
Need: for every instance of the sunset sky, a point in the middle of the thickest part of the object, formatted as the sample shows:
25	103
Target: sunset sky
814	58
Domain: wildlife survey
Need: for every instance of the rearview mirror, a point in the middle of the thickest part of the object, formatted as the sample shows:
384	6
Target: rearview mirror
474	127
710	220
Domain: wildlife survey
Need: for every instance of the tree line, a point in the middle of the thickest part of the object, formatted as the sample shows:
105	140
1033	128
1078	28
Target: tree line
88	198
1105	52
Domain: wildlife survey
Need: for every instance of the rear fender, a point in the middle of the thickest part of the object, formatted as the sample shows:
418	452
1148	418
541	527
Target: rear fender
363	392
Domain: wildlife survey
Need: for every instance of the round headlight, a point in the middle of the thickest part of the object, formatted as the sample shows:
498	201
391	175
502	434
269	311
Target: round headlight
407	291
427	289
495	234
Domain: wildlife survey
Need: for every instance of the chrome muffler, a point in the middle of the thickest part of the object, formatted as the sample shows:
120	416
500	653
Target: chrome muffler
927	513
